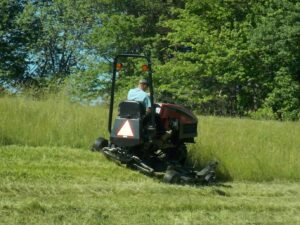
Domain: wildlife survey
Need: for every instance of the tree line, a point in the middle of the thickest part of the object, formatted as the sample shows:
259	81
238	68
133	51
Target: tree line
221	57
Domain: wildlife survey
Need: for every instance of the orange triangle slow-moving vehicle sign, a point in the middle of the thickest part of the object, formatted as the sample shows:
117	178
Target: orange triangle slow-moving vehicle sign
125	130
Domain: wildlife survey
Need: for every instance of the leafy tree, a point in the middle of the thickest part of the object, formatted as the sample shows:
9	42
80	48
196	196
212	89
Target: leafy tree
217	57
275	40
126	26
228	55
15	40
205	48
130	26
284	99
60	45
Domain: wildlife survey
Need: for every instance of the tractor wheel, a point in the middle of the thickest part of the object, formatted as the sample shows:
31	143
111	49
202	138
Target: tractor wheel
178	154
99	144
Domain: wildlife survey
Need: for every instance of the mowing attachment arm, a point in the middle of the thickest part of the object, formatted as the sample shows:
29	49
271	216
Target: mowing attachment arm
174	173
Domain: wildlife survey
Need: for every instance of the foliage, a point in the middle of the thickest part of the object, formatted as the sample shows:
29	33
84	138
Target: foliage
264	113
60	45
217	57
285	97
230	54
15	40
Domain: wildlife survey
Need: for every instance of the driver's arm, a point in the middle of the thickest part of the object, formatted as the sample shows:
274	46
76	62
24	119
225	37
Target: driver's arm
147	103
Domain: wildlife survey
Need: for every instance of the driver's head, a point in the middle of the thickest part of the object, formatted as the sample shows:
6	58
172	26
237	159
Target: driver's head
143	84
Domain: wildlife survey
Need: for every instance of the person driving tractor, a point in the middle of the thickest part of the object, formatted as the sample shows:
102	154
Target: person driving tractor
139	94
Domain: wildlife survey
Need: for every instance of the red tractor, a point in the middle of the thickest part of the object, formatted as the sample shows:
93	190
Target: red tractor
137	139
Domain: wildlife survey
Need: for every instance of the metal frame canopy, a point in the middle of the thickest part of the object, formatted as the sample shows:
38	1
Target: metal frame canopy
112	95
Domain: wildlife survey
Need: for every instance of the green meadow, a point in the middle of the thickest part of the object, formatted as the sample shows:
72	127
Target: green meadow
246	149
49	176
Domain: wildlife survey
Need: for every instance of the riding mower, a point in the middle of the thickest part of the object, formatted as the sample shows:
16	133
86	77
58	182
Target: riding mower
153	143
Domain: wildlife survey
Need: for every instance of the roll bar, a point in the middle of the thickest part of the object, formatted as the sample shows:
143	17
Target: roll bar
112	94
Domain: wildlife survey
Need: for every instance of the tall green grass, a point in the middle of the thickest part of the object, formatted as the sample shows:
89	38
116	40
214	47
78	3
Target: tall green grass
250	149
50	122
246	149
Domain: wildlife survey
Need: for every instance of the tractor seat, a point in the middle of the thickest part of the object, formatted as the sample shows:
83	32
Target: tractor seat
131	109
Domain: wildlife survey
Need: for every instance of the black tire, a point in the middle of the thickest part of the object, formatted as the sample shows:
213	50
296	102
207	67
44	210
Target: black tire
99	144
178	154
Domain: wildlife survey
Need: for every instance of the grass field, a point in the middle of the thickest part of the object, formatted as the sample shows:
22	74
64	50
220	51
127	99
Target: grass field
246	149
49	176
61	185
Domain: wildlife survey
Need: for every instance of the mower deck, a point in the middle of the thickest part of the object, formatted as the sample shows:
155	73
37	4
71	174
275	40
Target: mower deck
168	171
